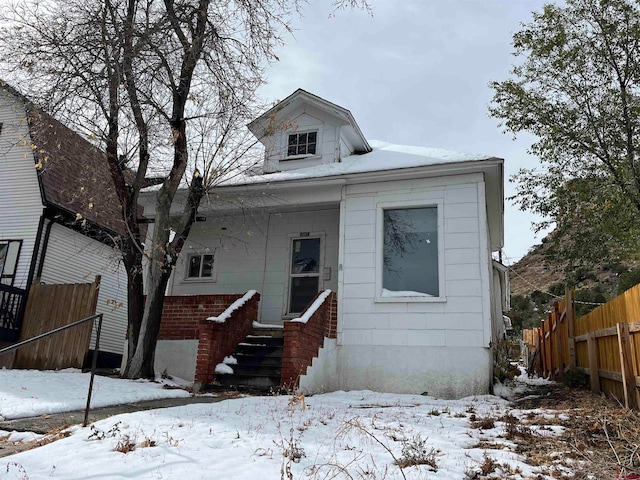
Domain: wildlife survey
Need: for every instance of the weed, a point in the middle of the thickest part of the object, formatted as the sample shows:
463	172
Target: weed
125	444
514	429
488	465
483	423
17	470
575	378
415	452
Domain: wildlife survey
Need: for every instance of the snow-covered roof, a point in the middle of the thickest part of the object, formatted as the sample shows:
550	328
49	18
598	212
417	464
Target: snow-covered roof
384	157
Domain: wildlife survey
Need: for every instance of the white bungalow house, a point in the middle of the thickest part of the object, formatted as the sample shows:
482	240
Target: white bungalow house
404	235
58	218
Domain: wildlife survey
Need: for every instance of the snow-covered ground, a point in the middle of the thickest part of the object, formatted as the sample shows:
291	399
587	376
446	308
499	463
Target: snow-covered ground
360	434
29	393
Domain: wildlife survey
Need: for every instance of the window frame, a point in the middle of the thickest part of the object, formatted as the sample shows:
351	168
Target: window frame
303	155
214	271
380	209
3	275
287	294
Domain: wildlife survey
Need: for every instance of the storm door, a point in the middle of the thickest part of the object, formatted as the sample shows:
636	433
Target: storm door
304	274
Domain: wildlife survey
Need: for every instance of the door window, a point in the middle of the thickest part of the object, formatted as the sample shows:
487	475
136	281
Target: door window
304	281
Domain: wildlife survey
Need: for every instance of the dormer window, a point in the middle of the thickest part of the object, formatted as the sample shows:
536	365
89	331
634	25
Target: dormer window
302	144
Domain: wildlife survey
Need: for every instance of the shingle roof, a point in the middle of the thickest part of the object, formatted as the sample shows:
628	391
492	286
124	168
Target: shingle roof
74	174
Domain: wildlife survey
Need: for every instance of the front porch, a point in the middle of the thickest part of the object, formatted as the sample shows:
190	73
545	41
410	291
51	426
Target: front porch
199	331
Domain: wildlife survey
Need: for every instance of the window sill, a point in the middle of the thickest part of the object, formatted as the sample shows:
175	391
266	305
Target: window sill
410	299
301	157
199	280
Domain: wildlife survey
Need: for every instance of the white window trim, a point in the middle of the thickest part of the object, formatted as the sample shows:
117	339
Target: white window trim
287	286
214	274
380	208
318	131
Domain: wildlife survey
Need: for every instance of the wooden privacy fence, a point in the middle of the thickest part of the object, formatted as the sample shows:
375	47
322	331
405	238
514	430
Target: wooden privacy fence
604	344
50	307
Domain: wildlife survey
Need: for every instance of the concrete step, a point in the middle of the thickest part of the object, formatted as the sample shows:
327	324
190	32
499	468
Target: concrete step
259	350
264	340
271	332
248	381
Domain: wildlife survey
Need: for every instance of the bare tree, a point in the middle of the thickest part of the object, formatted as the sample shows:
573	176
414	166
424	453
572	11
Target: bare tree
165	86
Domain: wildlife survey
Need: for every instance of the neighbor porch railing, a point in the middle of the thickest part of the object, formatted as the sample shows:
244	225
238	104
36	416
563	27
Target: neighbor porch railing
13	301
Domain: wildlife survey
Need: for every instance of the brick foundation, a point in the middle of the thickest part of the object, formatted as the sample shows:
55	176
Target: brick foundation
185	318
302	341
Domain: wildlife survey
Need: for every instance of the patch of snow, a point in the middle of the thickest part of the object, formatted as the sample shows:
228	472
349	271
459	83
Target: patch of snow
233	307
248	438
403	293
224	369
259	325
230	360
313	308
29	393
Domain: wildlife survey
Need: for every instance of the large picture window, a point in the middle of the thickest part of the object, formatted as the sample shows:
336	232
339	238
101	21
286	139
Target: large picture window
410	252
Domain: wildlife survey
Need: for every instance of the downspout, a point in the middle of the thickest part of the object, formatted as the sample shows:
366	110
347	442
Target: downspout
45	246
36	253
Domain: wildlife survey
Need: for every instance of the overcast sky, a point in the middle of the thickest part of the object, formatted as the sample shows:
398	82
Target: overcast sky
415	73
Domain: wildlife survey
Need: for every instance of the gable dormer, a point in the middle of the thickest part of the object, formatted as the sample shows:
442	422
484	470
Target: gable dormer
304	130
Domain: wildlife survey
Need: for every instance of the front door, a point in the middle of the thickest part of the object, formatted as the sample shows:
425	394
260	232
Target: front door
304	273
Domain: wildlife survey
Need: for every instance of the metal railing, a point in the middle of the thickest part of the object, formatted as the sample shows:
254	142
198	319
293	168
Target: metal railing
12	303
62	329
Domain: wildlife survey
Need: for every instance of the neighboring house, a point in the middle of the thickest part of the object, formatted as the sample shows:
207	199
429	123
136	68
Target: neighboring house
59	217
404	235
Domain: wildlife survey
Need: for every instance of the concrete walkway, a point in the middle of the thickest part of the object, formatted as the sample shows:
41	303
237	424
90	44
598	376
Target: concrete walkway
54	422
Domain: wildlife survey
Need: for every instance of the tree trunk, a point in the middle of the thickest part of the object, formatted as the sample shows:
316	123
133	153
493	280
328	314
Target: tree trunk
141	364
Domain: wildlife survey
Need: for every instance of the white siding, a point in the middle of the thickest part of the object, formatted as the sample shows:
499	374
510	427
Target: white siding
75	258
329	148
254	254
20	200
439	345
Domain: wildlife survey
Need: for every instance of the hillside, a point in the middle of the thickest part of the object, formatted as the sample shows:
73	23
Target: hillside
535	271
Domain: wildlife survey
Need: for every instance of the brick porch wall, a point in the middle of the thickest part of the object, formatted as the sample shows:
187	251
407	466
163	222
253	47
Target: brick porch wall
185	318
302	341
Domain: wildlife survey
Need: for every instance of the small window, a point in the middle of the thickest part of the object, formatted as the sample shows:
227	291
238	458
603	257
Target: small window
9	254
410	253
200	266
302	144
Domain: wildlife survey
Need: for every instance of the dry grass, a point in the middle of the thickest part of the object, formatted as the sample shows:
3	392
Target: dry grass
600	440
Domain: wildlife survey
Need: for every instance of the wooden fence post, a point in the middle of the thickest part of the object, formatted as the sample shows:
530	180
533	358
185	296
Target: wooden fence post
571	321
557	329
626	367
592	346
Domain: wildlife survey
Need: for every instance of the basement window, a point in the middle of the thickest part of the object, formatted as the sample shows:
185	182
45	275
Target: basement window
300	144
